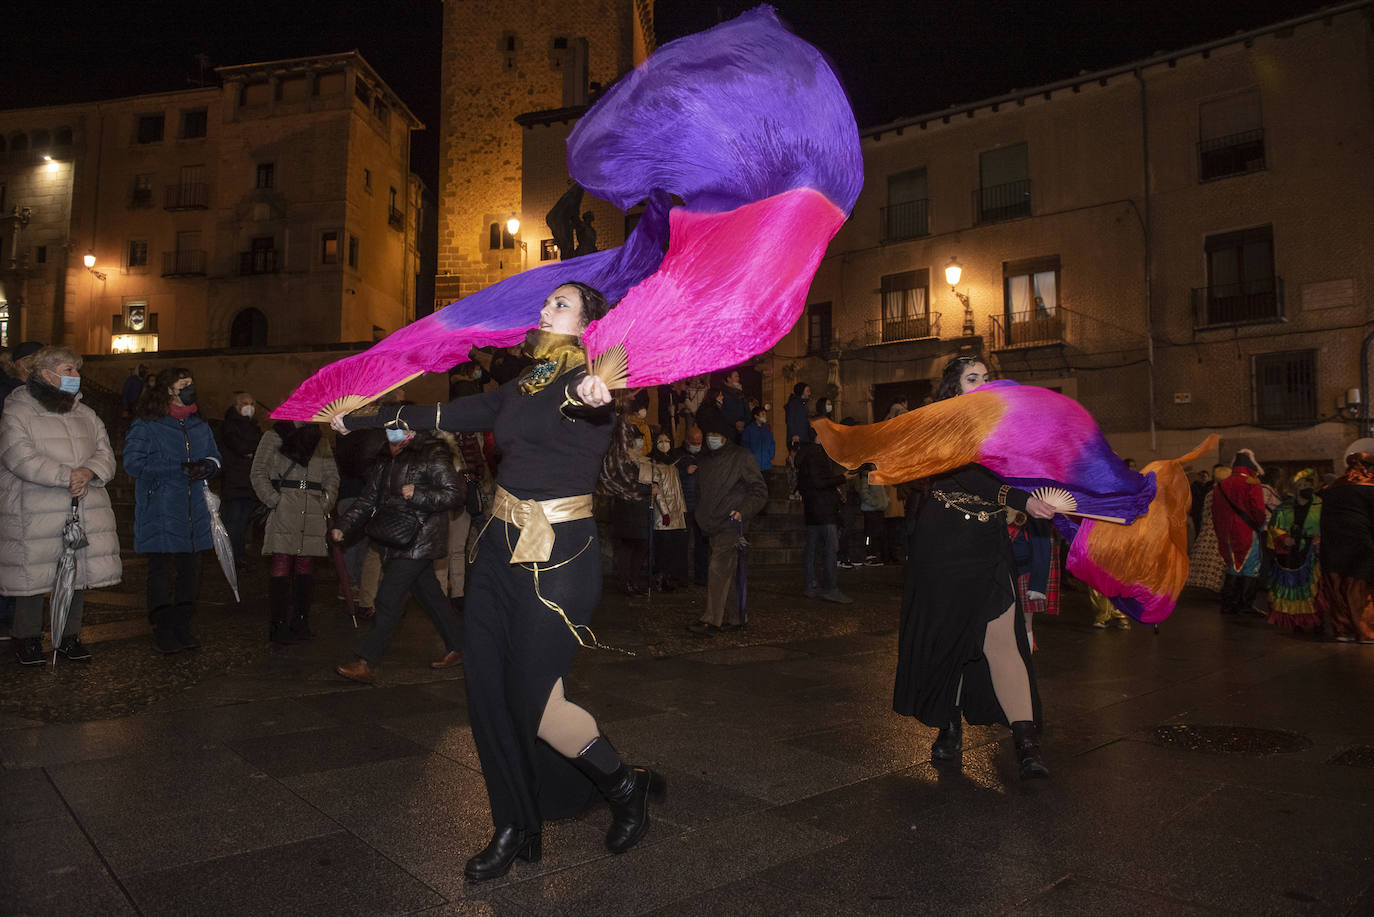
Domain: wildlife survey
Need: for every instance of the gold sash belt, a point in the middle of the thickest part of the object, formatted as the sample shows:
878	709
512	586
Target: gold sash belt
535	519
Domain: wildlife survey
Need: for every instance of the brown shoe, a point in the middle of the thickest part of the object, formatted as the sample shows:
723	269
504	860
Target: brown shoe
451	658
358	670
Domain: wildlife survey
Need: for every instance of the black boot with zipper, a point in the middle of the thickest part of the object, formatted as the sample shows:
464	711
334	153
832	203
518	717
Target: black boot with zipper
506	844
949	744
627	790
1023	736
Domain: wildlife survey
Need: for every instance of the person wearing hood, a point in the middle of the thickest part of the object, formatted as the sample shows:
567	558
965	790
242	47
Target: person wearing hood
54	453
295	476
170	453
796	414
1239	515
240	433
1294	533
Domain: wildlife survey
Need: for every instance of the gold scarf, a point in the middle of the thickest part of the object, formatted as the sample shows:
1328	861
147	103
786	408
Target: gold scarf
553	355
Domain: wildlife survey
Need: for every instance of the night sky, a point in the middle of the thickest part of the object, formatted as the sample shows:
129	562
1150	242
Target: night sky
896	57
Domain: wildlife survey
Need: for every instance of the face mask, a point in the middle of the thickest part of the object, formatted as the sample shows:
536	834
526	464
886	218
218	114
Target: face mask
827	409
188	395
642	412
714	442
663	447
694	448
637	445
397	435
763	418
70	384
247	410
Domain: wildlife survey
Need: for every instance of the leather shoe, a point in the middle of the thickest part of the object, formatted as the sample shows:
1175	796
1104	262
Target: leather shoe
451	658
703	629
506	844
359	670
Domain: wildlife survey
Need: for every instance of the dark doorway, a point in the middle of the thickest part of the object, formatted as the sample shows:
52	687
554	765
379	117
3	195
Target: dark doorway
249	329
886	394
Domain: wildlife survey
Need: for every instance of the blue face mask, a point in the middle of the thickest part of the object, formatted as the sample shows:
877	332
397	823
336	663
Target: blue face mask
397	435
70	384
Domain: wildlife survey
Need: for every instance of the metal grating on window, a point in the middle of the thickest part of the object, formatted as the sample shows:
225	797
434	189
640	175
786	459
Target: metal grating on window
1285	387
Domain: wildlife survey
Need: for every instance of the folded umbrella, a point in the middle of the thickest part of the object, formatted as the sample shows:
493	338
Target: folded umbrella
73	539
742	575
223	549
341	568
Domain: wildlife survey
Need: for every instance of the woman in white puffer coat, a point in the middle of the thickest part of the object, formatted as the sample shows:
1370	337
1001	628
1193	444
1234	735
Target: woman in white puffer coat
53	449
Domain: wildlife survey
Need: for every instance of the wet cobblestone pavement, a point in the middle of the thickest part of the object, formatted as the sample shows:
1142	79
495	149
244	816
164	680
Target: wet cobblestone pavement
244	778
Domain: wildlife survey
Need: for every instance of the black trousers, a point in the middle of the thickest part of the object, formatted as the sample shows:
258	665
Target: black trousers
402	576
1238	593
516	648
173	580
701	550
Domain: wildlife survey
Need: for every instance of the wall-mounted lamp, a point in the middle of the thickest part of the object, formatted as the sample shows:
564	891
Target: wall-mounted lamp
1349	403
513	225
953	271
89	260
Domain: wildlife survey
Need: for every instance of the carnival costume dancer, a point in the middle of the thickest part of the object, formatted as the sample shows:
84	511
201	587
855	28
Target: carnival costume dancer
536	580
962	648
1294	533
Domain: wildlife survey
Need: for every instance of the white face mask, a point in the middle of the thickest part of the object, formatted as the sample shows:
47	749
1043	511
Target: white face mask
715	442
247	409
397	435
694	448
637	445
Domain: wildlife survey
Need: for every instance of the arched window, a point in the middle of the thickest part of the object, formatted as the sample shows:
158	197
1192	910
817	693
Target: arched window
249	329
19	142
41	140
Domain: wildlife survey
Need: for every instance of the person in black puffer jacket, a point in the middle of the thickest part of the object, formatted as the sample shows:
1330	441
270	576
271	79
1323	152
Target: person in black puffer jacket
819	480
239	434
413	480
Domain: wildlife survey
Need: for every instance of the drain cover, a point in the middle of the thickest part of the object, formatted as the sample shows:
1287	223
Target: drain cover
1244	741
1359	756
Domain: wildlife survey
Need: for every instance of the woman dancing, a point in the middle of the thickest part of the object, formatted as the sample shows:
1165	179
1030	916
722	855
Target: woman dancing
535	582
962	652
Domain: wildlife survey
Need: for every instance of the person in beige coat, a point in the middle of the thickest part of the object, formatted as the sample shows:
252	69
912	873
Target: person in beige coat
53	450
294	474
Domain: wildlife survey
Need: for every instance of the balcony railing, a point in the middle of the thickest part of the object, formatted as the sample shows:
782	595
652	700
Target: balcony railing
186	262
261	261
1251	302
1002	202
1033	328
395	218
1235	154
888	330
193	196
907	220
140	198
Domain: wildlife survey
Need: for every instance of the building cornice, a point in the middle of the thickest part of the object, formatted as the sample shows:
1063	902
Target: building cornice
1019	97
315	63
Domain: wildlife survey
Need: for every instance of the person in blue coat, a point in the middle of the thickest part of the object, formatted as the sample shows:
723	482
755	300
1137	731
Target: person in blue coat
758	439
170	453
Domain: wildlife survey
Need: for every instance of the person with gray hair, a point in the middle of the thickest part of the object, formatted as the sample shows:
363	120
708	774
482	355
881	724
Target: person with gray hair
54	452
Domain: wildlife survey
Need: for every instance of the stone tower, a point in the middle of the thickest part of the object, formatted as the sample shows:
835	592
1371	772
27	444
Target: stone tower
501	60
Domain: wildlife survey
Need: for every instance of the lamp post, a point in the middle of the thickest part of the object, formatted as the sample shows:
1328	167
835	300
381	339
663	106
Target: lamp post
513	227
89	260
953	271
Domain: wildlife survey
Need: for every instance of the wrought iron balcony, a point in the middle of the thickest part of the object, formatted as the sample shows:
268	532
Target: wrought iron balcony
1251	302
191	196
395	218
889	330
907	220
185	262
1033	328
1235	154
259	261
1002	202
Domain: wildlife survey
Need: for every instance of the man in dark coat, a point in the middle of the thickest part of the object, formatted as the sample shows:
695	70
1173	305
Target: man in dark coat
731	491
688	459
796	414
819	480
734	407
239	434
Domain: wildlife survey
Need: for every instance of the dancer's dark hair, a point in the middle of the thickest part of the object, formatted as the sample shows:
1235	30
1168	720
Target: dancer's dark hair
954	370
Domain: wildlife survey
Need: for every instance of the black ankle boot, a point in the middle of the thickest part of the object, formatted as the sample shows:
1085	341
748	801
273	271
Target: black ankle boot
626	788
300	622
949	744
1028	750
505	845
279	604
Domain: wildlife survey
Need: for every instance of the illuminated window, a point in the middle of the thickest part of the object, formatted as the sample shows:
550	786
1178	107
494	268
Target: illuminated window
329	248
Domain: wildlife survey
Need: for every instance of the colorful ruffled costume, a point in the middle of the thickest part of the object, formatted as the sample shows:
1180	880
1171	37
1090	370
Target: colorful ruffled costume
1031	438
1294	534
745	123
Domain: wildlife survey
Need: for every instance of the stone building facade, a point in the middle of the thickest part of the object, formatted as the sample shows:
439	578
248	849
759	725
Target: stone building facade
273	210
499	62
1181	243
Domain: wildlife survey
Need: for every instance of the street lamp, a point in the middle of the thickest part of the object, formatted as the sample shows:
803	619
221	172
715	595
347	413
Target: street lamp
513	225
89	260
953	271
